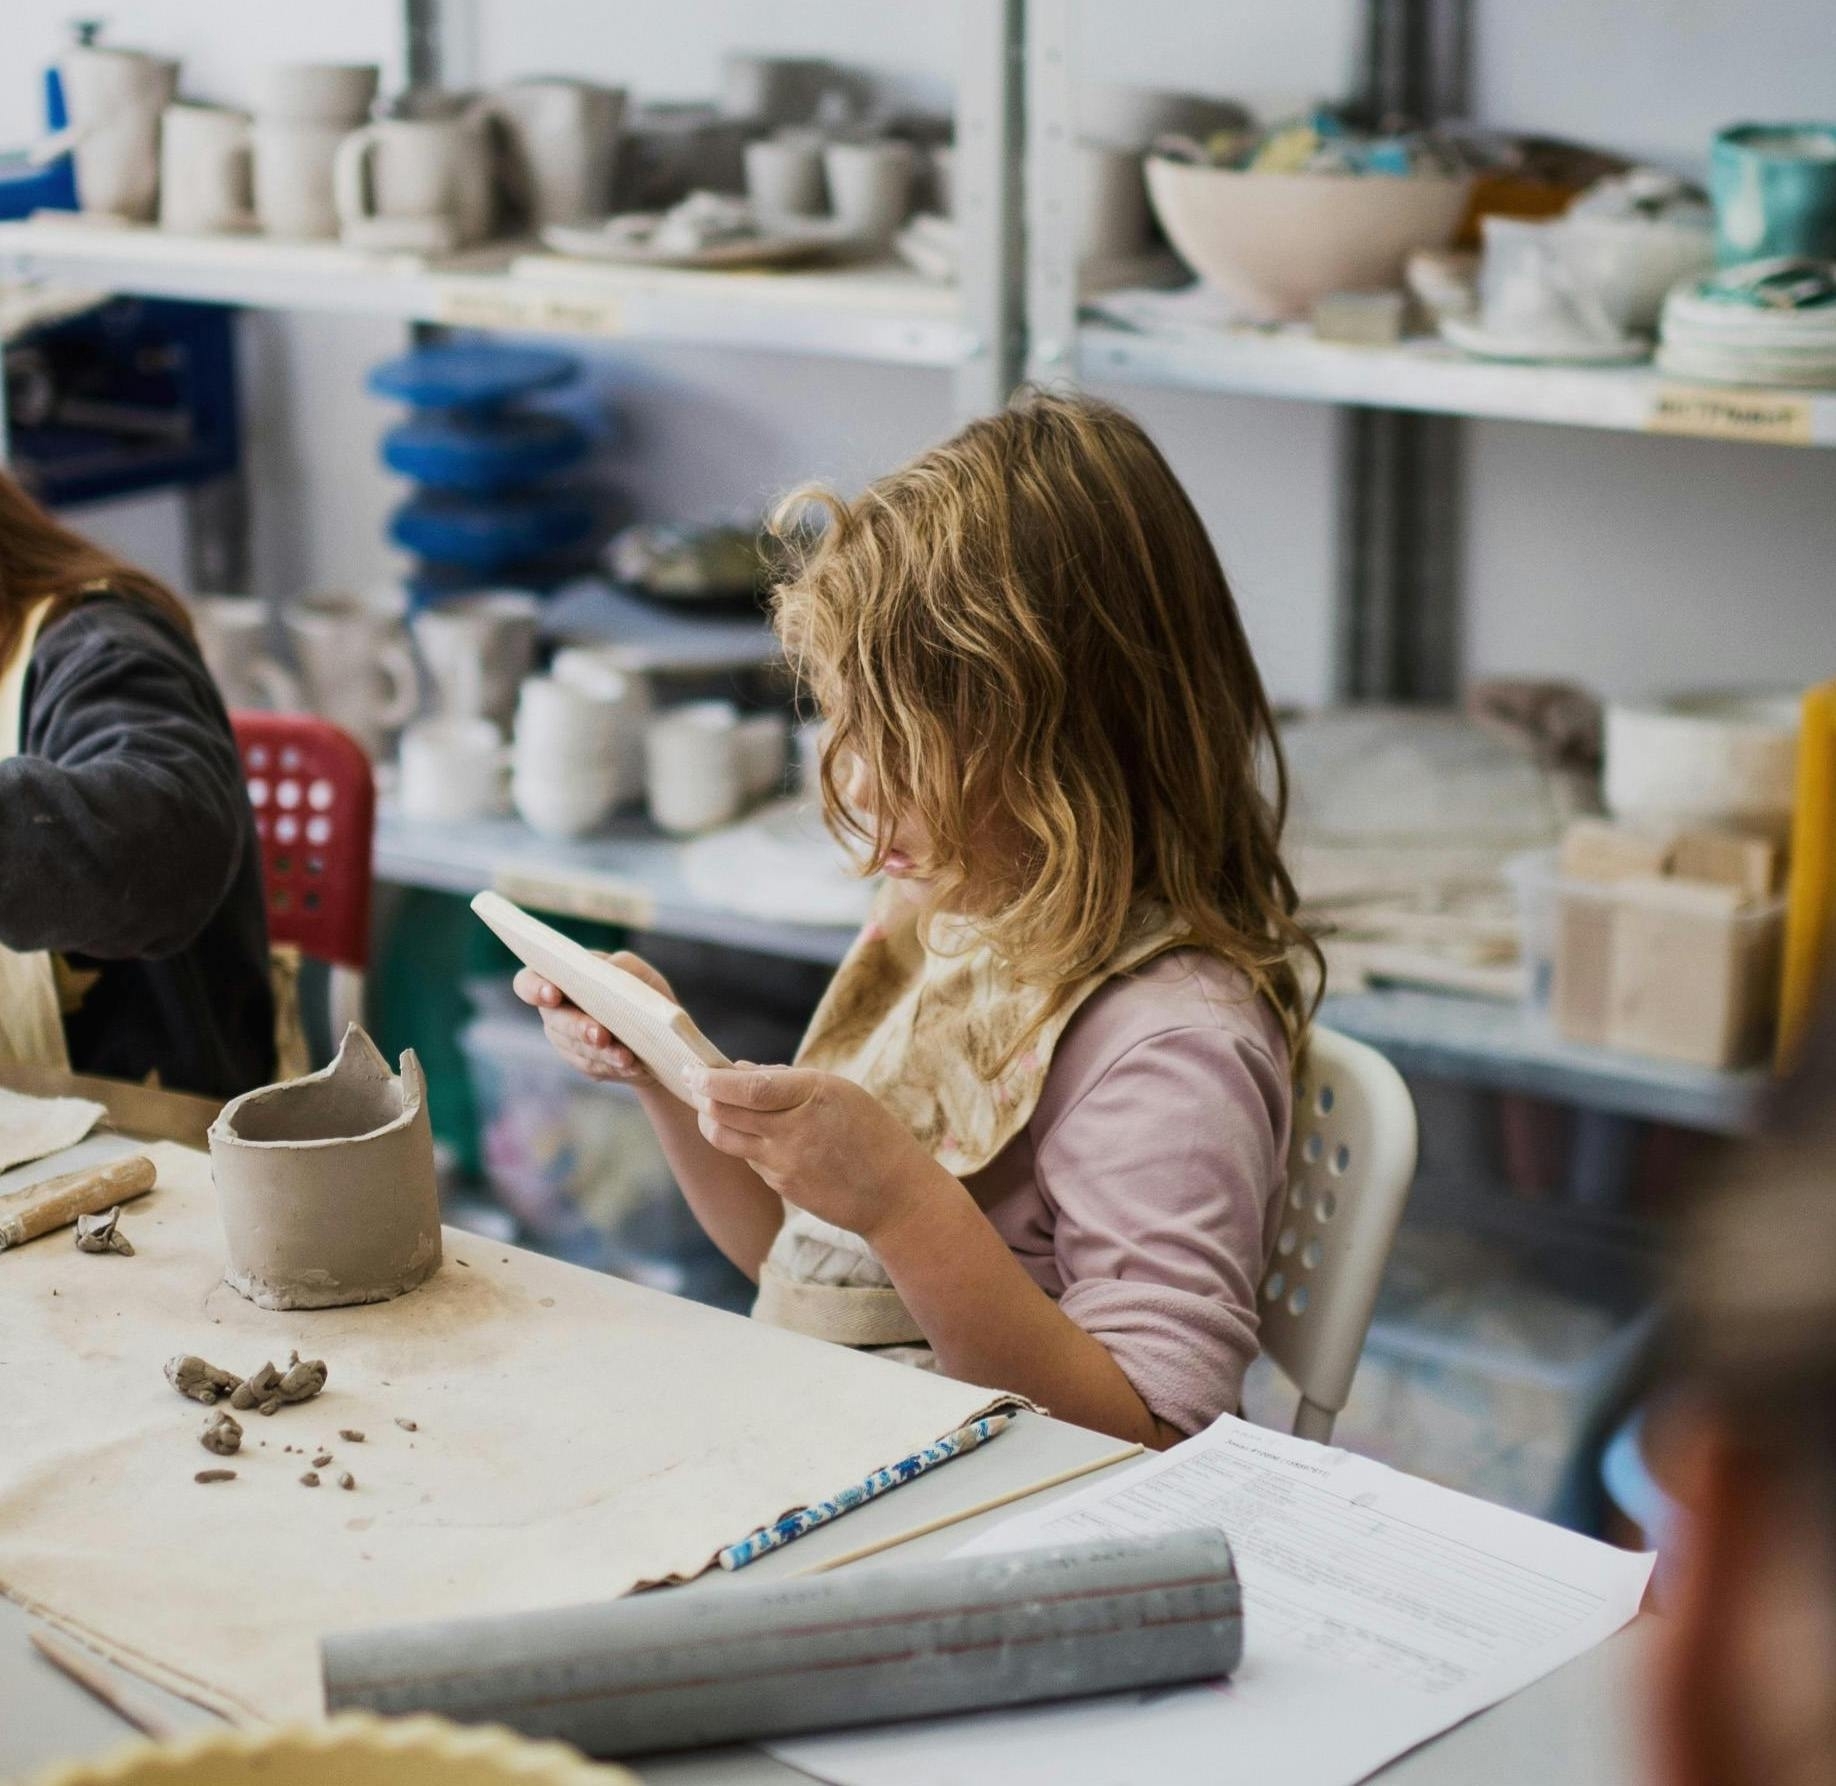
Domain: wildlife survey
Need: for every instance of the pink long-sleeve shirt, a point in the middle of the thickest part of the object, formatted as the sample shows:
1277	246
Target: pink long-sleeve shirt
1142	1192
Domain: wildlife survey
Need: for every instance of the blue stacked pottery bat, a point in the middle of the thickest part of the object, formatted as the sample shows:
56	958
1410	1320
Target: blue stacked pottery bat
492	506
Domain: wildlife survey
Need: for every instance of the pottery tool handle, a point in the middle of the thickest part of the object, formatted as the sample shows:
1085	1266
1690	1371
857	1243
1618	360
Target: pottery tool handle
36	1209
743	1661
123	1700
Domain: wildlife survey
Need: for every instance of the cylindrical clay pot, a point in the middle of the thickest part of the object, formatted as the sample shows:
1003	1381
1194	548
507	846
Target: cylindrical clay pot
326	1184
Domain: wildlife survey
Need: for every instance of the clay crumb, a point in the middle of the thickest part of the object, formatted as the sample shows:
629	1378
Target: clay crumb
205	1383
407	1426
310	1479
319	1462
269	1389
350	1435
346	1479
222	1434
101	1234
215	1476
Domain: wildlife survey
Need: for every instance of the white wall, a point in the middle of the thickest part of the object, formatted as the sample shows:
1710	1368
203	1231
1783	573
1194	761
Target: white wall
1631	563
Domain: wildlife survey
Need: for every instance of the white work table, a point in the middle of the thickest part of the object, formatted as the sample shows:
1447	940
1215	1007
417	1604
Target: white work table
1575	1728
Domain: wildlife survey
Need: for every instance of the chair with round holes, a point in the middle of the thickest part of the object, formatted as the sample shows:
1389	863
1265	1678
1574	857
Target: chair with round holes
315	807
1350	1165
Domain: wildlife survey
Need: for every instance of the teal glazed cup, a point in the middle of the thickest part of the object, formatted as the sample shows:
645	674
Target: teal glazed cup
1774	189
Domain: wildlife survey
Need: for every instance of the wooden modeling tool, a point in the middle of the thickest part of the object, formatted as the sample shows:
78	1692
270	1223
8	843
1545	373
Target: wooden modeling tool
661	1034
50	1203
120	1698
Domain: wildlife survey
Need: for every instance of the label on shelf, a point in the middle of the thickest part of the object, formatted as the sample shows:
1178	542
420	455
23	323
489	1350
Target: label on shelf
499	305
598	897
1709	413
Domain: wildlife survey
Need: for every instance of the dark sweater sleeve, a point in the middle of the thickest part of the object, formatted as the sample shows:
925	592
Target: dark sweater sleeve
120	819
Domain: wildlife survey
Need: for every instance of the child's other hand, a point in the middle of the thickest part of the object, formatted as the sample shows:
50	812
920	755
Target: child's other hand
587	1046
818	1140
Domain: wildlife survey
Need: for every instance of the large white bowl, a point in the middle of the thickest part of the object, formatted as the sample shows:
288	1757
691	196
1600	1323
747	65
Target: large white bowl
1278	243
1726	758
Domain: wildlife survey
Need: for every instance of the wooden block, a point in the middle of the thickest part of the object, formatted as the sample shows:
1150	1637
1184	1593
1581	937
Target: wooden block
1692	973
1583	954
1728	859
1599	850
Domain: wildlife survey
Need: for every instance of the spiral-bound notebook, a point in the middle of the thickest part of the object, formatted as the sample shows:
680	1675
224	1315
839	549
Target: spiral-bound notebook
661	1034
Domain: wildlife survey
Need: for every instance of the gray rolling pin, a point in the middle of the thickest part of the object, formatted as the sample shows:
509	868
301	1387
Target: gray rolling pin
673	1670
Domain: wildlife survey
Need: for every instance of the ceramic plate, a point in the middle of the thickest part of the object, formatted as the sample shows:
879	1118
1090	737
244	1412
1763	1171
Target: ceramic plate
1474	338
780	248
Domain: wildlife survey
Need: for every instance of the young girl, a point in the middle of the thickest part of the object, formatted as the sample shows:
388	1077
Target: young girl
1038	1127
133	937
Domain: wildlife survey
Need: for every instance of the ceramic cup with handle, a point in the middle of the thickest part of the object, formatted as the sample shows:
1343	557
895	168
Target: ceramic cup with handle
233	636
359	671
560	147
452	769
870	186
477	649
115	99
422	183
571	753
205	185
784	177
338	93
293	178
692	772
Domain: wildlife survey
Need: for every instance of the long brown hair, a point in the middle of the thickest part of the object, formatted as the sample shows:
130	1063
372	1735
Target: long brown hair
1030	620
41	558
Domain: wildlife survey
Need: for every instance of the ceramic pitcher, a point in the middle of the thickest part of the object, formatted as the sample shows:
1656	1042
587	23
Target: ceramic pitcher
115	98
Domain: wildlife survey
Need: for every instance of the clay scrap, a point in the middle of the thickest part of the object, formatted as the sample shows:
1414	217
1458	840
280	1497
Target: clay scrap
325	1184
205	1383
222	1434
215	1476
267	1390
101	1233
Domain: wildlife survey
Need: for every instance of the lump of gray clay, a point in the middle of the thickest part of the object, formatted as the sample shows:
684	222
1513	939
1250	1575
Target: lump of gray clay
325	1184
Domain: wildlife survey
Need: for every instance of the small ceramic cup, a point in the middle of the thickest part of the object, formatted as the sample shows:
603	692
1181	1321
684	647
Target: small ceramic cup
417	182
692	773
204	177
452	770
870	186
339	93
293	178
233	633
784	178
761	747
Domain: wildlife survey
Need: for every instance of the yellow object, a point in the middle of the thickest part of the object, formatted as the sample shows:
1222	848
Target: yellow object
353	1749
1810	902
31	1021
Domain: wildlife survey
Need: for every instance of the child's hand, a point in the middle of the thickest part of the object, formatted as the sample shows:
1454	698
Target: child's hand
818	1140
589	1047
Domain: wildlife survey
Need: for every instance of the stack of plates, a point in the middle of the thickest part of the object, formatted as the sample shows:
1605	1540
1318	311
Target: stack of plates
1767	323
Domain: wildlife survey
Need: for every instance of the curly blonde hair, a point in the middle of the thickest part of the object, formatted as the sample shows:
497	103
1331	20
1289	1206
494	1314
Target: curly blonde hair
1029	622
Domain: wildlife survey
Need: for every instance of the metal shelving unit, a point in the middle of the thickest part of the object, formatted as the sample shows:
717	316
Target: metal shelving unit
1017	304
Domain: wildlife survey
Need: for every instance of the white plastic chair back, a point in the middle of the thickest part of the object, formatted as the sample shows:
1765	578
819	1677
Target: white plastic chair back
1350	1165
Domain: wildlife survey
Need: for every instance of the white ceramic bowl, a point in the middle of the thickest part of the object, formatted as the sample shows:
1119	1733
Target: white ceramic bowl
1726	758
562	806
1278	243
1632	262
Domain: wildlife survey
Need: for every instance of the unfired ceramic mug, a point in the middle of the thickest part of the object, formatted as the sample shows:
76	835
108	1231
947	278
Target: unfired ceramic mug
293	178
205	186
870	186
339	93
477	649
784	177
452	770
560	147
233	635
418	182
358	669
115	99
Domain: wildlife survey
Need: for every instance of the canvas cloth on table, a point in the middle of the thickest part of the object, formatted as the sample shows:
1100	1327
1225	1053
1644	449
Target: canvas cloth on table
955	1047
575	1437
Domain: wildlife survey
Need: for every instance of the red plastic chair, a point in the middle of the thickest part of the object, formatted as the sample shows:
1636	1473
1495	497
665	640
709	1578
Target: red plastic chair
315	812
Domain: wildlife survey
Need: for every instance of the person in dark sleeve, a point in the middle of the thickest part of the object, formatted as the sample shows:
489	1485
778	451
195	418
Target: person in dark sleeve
133	936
